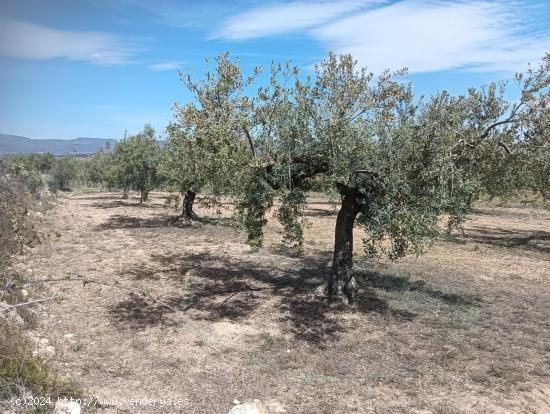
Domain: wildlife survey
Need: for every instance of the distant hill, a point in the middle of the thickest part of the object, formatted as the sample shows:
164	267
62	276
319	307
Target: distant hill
13	144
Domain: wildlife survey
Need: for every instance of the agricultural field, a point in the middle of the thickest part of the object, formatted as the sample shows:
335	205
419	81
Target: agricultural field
294	206
148	307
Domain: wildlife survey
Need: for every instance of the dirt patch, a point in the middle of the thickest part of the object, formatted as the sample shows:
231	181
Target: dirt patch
160	311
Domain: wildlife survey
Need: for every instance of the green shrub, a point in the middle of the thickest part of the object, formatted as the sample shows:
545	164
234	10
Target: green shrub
21	372
63	173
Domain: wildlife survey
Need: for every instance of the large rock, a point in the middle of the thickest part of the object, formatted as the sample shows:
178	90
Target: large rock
66	407
254	407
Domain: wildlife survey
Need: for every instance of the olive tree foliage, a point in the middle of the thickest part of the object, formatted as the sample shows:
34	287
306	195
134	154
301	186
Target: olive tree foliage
99	169
533	133
135	161
536	151
63	172
397	163
40	162
206	140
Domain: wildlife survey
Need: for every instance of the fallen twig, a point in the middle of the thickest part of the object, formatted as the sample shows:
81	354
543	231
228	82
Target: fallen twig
28	282
29	303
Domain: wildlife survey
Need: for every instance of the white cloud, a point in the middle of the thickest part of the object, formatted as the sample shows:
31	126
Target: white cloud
24	40
429	36
423	35
165	66
285	18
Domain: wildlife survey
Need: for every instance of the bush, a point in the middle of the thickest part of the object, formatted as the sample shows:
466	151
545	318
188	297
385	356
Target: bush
21	373
63	173
18	191
42	163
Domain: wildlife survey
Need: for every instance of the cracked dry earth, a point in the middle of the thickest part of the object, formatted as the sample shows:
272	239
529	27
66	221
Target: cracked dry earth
151	310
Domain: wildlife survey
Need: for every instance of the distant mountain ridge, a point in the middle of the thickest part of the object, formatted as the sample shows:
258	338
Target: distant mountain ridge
14	144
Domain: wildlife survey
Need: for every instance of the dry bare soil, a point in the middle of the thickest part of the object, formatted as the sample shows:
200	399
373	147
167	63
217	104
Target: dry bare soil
153	310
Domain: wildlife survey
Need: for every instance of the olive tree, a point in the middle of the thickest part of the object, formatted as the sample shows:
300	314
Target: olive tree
135	161
98	169
63	172
206	141
178	171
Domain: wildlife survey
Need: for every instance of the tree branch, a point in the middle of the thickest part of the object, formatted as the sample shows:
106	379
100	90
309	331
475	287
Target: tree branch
508	120
506	148
29	303
250	142
511	118
369	172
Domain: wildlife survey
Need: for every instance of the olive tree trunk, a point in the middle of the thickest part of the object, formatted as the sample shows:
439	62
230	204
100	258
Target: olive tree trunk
341	283
125	193
144	195
187	208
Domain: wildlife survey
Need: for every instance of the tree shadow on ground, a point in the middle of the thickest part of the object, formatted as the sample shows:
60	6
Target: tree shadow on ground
120	221
519	211
315	320
319	212
128	222
103	196
370	279
216	287
139	312
231	222
142	273
122	203
536	241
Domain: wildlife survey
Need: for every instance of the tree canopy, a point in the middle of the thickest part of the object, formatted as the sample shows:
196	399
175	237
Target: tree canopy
135	161
205	144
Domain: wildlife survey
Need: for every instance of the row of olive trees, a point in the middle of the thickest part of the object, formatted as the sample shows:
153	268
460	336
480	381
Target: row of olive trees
397	162
44	168
132	165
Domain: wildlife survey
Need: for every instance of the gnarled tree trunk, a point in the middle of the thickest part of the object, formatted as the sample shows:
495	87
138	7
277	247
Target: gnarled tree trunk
341	283
125	193
187	208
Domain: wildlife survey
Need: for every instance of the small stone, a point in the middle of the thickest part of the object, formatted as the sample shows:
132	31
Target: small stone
66	407
275	407
236	402
44	349
48	351
24	293
254	407
69	335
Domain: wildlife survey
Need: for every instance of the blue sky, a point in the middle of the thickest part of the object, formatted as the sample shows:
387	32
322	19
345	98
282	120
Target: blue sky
96	68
